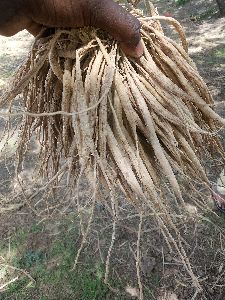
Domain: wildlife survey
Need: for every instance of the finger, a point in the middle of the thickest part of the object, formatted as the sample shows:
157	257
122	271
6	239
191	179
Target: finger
124	27
34	28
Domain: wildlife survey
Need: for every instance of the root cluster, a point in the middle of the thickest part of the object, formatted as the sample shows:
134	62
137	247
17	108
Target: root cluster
138	124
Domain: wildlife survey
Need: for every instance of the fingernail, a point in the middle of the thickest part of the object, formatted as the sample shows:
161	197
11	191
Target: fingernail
139	50
133	51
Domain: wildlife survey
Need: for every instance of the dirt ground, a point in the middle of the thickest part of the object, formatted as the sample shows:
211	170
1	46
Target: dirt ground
163	275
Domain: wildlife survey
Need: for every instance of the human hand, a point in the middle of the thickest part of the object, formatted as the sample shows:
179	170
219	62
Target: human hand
16	15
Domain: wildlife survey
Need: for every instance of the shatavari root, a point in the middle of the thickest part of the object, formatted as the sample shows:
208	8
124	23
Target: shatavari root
140	123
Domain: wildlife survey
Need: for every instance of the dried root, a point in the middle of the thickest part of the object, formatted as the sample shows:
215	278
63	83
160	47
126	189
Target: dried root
141	124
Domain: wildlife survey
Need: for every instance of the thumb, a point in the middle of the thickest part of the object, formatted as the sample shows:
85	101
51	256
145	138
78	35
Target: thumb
124	27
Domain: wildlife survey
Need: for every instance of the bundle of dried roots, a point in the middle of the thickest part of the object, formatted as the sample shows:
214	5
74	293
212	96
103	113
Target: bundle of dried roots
140	124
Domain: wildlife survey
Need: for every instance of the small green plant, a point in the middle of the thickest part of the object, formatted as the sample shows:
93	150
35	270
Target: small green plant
220	53
17	286
181	2
36	228
31	258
